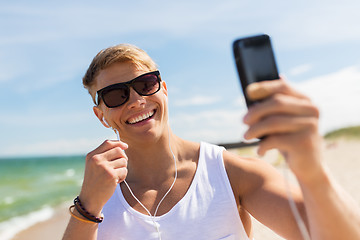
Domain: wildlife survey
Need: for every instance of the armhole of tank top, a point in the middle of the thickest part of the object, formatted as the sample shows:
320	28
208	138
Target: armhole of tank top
221	164
229	190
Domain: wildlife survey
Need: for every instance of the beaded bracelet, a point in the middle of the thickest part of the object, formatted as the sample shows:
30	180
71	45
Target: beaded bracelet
79	207
76	217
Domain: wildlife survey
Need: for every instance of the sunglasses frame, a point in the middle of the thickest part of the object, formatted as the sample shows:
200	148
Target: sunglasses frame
99	93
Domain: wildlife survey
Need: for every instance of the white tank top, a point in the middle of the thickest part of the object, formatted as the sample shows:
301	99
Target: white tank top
207	211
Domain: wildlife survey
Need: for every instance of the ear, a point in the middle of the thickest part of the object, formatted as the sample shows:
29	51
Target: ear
100	115
164	88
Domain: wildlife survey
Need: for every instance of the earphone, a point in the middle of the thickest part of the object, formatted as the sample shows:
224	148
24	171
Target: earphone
106	123
114	129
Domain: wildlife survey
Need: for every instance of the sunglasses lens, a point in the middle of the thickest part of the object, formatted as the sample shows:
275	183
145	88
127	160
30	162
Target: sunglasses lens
117	94
147	85
116	97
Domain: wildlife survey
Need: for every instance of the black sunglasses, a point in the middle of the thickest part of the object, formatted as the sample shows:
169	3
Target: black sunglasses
117	94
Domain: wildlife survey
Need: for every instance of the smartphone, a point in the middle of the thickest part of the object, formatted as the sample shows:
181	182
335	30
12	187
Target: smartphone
255	61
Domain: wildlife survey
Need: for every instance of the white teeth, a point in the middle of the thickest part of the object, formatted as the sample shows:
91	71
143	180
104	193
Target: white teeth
141	118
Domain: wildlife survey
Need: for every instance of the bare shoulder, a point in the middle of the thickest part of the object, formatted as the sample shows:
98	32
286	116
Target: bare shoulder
189	150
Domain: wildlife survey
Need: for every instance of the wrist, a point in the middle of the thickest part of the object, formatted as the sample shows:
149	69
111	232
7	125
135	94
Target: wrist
90	204
316	181
309	168
98	218
75	214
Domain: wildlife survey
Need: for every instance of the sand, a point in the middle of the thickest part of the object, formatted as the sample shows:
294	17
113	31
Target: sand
342	157
51	229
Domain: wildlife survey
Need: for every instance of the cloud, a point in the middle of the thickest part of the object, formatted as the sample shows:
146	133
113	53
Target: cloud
53	147
337	95
217	125
301	69
197	100
298	22
39	118
240	102
9	69
39	23
317	23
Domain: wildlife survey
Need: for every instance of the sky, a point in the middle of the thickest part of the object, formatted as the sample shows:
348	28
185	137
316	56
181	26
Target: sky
46	47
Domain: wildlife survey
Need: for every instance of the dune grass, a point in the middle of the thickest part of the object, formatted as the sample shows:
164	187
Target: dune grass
348	133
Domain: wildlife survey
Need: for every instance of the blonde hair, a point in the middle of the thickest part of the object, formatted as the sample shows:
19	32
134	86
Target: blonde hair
115	54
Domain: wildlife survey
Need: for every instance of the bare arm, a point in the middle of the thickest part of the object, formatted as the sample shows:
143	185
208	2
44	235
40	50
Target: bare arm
80	230
290	122
105	167
332	213
260	189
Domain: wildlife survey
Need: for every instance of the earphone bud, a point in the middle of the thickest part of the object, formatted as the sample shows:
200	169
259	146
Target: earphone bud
106	123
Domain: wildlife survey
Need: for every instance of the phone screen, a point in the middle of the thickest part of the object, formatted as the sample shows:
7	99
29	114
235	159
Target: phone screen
255	60
259	64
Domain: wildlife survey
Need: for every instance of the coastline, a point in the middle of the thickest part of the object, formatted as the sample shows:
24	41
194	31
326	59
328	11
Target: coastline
340	156
52	228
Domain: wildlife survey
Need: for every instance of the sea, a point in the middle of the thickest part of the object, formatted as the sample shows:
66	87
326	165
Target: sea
32	187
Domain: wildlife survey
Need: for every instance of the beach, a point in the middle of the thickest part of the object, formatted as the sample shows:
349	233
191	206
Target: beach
52	228
341	156
35	189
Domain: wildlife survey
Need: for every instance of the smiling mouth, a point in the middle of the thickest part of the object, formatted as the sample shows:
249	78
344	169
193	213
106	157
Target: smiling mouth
142	117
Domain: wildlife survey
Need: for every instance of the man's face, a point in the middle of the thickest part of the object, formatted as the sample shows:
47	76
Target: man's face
140	116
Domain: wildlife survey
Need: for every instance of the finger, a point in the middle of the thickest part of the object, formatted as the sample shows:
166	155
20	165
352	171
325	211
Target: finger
114	153
119	163
285	142
273	142
121	174
108	144
265	89
280	104
105	146
289	144
280	124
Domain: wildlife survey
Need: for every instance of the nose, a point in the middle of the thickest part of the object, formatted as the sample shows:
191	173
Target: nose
135	100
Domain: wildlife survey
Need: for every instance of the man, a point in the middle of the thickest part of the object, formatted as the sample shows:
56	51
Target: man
177	189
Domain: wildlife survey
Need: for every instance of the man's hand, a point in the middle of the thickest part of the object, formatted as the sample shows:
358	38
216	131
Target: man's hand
105	167
288	121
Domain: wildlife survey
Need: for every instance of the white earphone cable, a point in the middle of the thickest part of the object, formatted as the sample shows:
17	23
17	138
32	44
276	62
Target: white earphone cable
172	185
303	230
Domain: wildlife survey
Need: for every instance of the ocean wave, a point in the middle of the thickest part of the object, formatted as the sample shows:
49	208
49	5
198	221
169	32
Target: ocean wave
11	227
68	174
7	201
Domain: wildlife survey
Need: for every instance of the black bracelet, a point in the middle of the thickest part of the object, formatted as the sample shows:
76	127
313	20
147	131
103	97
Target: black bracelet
79	207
